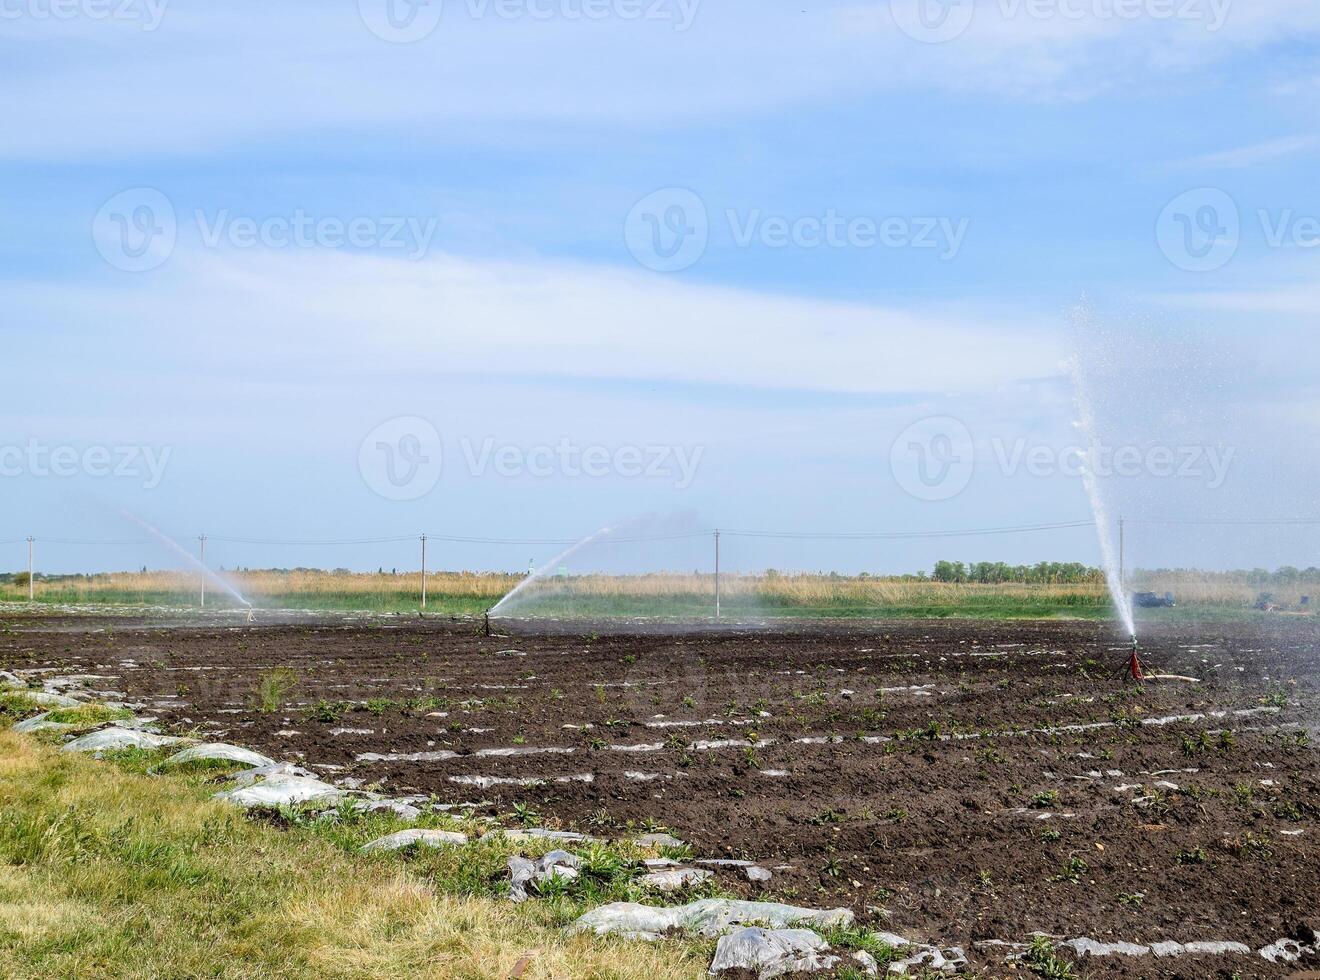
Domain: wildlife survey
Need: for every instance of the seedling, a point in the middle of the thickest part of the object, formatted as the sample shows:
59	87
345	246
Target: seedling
1044	962
1072	870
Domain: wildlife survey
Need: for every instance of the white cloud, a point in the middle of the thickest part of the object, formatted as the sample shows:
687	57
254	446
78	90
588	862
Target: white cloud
1299	299
1242	157
361	315
215	76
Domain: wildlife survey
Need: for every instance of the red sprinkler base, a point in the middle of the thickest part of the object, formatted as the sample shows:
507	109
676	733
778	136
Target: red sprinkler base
1134	668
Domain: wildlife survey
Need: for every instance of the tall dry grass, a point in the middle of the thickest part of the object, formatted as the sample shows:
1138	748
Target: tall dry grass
473	591
801	589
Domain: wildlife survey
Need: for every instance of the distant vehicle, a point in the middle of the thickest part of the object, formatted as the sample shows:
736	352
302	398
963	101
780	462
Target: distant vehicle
1265	602
1153	600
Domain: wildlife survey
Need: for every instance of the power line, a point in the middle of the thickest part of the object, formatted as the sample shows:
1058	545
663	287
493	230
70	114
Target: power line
706	532
1240	522
312	544
902	535
90	541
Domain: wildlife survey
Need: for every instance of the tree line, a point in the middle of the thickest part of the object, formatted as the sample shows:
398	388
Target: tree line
997	572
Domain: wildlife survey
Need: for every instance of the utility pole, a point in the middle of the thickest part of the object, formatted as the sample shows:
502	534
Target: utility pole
717	573
32	594
201	548
423	571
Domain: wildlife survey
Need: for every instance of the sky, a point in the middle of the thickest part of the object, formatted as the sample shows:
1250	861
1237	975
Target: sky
355	271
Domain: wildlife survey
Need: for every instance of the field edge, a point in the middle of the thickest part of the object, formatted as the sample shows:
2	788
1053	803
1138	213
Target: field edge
108	872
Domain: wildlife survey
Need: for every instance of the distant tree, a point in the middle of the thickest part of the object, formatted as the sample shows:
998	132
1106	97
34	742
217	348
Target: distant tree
950	571
998	573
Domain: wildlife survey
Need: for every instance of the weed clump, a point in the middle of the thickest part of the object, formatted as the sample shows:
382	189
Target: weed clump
274	688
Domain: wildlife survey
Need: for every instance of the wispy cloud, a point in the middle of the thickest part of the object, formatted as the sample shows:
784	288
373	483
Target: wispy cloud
1253	155
206	79
351	314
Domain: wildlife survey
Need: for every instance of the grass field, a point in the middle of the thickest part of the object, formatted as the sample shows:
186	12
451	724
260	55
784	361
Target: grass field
108	872
655	595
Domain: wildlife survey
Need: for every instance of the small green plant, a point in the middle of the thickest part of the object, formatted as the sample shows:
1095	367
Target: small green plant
863	940
1043	961
1072	870
1131	900
378	706
1249	844
826	817
1196	855
1046	799
1277	698
599	861
274	688
525	814
326	711
1050	836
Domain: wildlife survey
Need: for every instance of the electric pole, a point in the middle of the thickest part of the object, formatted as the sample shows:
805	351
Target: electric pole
32	593
423	571
201	550
717	573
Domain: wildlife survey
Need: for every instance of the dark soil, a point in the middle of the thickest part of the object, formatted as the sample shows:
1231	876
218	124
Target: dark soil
929	797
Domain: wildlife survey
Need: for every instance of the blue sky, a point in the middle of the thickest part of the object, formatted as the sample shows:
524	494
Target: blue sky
580	231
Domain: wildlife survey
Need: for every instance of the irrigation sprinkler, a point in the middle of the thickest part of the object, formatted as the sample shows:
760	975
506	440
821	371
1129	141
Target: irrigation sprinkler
1137	670
486	619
